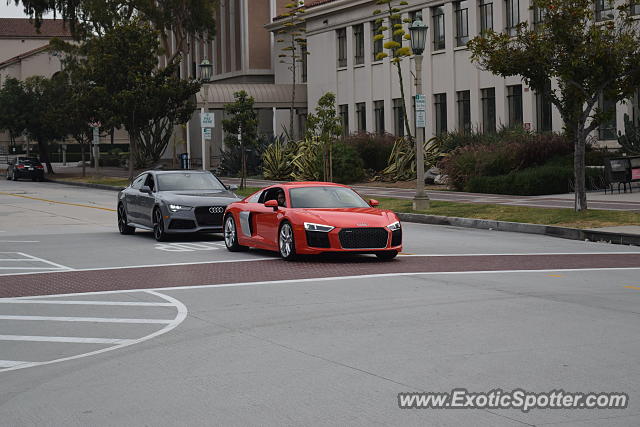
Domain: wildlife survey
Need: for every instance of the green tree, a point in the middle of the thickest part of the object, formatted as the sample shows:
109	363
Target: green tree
325	126
390	20
13	111
587	59
292	37
120	70
46	120
241	119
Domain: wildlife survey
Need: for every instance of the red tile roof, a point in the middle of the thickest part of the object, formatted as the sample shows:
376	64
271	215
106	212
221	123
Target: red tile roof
23	28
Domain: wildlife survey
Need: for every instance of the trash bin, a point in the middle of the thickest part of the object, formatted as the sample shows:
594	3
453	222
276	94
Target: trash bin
184	160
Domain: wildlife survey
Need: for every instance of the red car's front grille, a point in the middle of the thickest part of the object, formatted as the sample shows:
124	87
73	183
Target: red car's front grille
363	238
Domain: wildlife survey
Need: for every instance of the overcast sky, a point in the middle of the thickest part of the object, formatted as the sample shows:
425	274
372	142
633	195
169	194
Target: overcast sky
11	10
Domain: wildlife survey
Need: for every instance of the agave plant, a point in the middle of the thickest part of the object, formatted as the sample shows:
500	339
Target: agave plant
402	161
277	159
630	141
307	162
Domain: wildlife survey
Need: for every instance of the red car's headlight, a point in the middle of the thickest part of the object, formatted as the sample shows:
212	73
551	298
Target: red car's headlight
309	226
395	226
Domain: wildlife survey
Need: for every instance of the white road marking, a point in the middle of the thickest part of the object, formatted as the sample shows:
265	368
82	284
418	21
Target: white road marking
32	268
19	241
45	261
85	319
187	247
11	363
17	259
74	340
180	316
121	303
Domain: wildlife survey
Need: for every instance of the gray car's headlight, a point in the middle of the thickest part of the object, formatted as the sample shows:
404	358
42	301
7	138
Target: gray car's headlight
309	226
395	226
176	208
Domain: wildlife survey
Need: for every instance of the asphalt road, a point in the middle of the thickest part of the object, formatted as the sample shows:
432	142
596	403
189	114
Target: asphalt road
186	333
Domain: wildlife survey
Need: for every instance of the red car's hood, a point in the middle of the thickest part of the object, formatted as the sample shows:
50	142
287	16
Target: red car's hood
352	217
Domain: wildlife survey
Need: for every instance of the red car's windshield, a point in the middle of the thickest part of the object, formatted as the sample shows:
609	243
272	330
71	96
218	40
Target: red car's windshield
325	197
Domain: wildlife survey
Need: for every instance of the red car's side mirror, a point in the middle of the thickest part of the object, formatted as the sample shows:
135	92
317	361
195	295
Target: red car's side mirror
272	204
374	203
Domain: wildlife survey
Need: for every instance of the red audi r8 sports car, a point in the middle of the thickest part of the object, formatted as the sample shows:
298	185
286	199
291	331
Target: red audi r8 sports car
311	218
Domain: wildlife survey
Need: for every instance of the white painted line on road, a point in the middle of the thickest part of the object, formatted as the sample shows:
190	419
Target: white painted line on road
150	266
19	241
73	340
26	300
86	319
16	259
11	363
45	261
180	316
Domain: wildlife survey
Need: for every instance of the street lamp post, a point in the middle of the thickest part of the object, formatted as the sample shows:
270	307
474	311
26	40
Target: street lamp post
418	31
206	70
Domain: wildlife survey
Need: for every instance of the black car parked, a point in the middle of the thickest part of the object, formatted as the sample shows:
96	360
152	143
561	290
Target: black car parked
25	167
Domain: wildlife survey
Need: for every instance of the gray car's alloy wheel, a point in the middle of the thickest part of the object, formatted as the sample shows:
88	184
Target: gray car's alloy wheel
286	242
158	226
231	235
123	227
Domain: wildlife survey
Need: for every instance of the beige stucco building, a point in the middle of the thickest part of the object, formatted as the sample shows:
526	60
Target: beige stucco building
458	94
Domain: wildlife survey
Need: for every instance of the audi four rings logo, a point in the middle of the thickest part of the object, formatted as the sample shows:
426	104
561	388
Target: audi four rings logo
216	209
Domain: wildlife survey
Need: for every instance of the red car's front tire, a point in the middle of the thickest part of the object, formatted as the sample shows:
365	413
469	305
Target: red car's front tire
386	255
286	242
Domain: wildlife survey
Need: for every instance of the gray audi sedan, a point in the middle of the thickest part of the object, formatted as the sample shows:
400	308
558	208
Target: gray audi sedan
174	202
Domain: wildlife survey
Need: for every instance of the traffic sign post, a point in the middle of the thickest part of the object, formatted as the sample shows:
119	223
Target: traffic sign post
96	145
421	111
207	121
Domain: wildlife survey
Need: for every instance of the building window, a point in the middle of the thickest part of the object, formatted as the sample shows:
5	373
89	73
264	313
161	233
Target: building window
543	110
377	44
438	28
513	16
488	99
463	99
462	22
635	7
305	63
538	17
344	118
440	108
486	15
607	128
378	114
361	116
341	35
398	117
514	103
358	44
604	10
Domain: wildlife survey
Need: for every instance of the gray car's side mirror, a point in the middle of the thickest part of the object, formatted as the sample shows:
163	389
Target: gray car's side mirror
145	189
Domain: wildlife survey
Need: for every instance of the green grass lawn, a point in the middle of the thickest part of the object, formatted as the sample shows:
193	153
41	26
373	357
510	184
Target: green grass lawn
104	180
547	216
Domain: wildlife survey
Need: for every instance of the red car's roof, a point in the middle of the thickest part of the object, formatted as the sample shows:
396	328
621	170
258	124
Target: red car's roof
308	184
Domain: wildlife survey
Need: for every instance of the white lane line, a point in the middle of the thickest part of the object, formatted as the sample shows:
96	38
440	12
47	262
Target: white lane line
74	340
86	319
11	363
45	261
19	241
180	316
17	259
35	268
125	303
149	266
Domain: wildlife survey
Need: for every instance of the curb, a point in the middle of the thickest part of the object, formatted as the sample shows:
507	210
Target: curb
519	227
86	185
482	224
